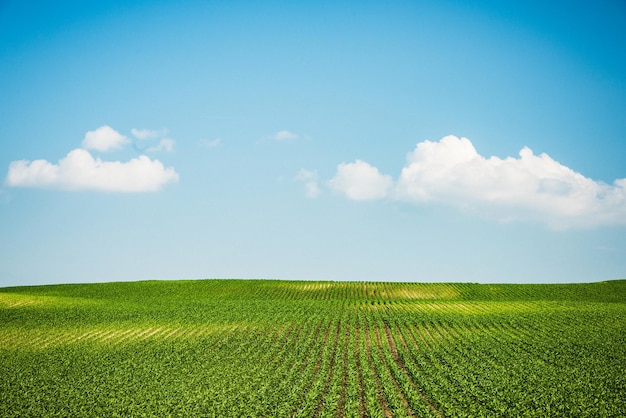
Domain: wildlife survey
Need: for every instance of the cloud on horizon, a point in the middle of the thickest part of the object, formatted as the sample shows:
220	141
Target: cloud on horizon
529	188
79	170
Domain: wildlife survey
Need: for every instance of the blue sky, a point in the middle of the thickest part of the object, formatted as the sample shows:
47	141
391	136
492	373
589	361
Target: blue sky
400	141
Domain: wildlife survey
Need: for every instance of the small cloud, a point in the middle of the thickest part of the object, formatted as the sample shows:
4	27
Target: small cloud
361	181
310	180
104	138
166	144
210	143
148	133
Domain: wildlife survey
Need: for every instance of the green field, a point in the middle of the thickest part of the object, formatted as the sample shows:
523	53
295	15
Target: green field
235	348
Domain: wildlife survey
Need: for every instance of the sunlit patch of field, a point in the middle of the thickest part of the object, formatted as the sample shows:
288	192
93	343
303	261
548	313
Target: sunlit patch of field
446	308
420	292
370	291
17	338
21	300
311	287
473	308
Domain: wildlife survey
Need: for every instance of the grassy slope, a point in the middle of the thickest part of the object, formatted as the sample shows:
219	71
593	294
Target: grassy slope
261	348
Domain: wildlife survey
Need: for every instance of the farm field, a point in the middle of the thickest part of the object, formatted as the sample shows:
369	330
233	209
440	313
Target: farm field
259	348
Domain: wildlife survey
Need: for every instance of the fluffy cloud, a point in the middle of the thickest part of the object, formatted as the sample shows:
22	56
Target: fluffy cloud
310	180
79	170
104	138
531	187
360	181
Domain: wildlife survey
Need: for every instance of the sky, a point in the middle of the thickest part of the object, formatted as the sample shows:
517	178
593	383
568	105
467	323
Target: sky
418	141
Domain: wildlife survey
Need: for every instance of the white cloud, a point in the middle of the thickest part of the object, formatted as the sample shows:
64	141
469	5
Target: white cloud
531	187
79	170
310	180
166	144
148	133
104	138
361	181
